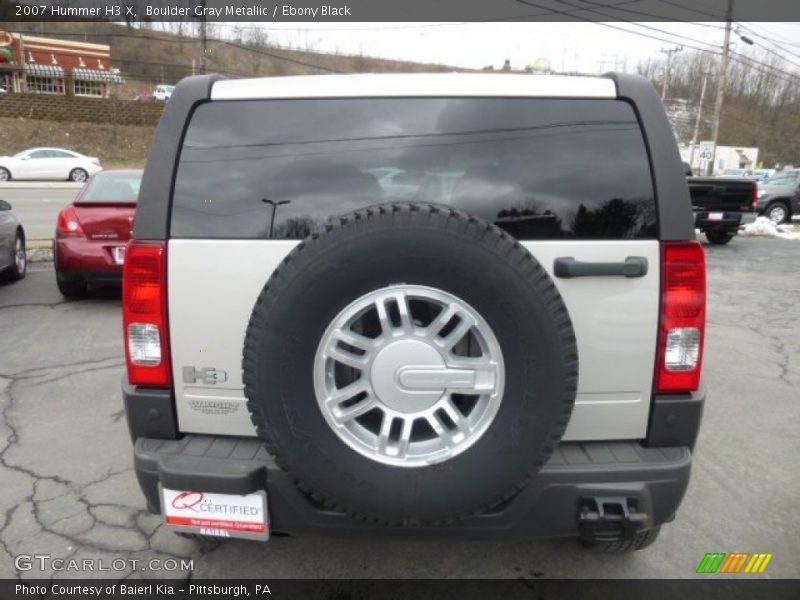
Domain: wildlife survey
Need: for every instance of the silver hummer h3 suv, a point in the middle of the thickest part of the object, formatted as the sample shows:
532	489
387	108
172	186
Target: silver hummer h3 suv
465	305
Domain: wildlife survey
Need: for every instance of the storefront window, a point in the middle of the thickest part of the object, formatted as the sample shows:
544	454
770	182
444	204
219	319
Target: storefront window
88	88
44	85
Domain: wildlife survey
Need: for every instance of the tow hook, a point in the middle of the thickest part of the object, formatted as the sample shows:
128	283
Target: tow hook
609	518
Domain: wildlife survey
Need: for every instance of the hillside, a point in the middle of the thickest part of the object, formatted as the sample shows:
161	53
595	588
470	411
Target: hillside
147	56
120	146
761	104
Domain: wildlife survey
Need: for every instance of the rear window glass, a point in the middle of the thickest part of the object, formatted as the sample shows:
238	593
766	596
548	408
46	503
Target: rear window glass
113	188
538	168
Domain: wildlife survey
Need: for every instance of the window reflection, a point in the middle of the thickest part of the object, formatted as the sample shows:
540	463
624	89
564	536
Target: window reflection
540	169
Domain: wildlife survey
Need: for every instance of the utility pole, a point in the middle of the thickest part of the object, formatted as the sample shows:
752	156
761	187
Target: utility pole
203	40
697	119
669	52
721	81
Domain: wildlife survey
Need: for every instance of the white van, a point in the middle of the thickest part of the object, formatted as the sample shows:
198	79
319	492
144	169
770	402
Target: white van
163	93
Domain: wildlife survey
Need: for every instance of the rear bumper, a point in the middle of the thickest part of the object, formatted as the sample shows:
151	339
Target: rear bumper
728	220
651	476
652	479
86	260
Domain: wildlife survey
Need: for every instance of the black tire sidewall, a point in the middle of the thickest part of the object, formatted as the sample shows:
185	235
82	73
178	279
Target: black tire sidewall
70	288
72	175
15	272
718	237
532	415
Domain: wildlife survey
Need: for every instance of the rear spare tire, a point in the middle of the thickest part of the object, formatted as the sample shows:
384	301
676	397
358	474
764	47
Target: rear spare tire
410	364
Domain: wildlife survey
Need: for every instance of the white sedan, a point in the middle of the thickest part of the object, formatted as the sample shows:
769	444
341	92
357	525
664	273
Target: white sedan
48	163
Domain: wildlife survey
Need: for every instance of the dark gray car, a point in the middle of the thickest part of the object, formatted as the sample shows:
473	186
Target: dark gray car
779	196
13	260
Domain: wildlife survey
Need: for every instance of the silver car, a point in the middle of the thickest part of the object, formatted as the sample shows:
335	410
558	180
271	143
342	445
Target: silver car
13	260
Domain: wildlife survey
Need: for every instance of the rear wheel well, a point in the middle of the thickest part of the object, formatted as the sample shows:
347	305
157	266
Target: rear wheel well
785	201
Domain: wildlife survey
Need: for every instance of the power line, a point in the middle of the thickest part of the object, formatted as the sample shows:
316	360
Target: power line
739	58
642	13
756	33
714	16
768	37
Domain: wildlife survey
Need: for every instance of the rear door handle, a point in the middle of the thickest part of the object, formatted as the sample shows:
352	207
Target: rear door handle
567	267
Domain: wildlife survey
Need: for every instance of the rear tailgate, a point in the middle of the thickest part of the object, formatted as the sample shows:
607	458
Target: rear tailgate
243	197
713	194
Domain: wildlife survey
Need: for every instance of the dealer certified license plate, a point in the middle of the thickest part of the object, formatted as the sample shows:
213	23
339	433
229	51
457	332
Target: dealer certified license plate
119	254
715	216
220	515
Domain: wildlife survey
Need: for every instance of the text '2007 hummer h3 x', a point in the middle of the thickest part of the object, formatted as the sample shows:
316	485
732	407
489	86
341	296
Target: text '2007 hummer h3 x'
464	305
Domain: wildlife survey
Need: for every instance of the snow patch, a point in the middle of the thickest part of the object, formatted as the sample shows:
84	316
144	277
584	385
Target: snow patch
763	226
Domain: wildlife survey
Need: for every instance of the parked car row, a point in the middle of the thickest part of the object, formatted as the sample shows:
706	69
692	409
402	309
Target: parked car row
92	232
738	196
13	257
90	237
779	196
757	174
49	163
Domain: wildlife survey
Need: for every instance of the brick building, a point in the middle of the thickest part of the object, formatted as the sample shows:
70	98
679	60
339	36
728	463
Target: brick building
49	66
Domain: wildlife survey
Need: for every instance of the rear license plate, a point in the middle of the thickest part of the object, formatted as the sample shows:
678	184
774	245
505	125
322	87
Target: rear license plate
219	515
715	216
119	254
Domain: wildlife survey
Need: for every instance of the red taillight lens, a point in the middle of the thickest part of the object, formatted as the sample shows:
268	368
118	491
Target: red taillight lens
755	196
144	314
683	317
68	224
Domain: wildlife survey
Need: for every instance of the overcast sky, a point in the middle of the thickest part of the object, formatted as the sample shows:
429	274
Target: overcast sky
570	47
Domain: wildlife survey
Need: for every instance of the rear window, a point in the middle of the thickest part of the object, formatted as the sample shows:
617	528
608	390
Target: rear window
789	178
113	188
538	168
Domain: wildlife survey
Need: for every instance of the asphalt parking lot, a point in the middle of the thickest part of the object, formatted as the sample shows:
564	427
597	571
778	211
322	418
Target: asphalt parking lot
68	488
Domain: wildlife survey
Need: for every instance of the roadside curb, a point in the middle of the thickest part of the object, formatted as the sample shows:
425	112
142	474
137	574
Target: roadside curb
37	255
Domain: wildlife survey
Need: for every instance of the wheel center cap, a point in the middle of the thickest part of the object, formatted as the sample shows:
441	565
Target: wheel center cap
404	376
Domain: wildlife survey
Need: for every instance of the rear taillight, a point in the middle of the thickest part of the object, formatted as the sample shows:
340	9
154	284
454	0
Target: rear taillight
144	314
68	224
683	317
756	194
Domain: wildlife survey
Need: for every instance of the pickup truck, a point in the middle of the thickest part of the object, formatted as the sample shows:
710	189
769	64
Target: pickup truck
721	204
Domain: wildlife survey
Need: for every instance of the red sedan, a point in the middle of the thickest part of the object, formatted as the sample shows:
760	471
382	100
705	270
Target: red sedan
93	231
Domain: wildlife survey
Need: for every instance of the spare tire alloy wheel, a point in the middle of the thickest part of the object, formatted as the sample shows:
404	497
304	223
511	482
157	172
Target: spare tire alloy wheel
444	375
411	364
